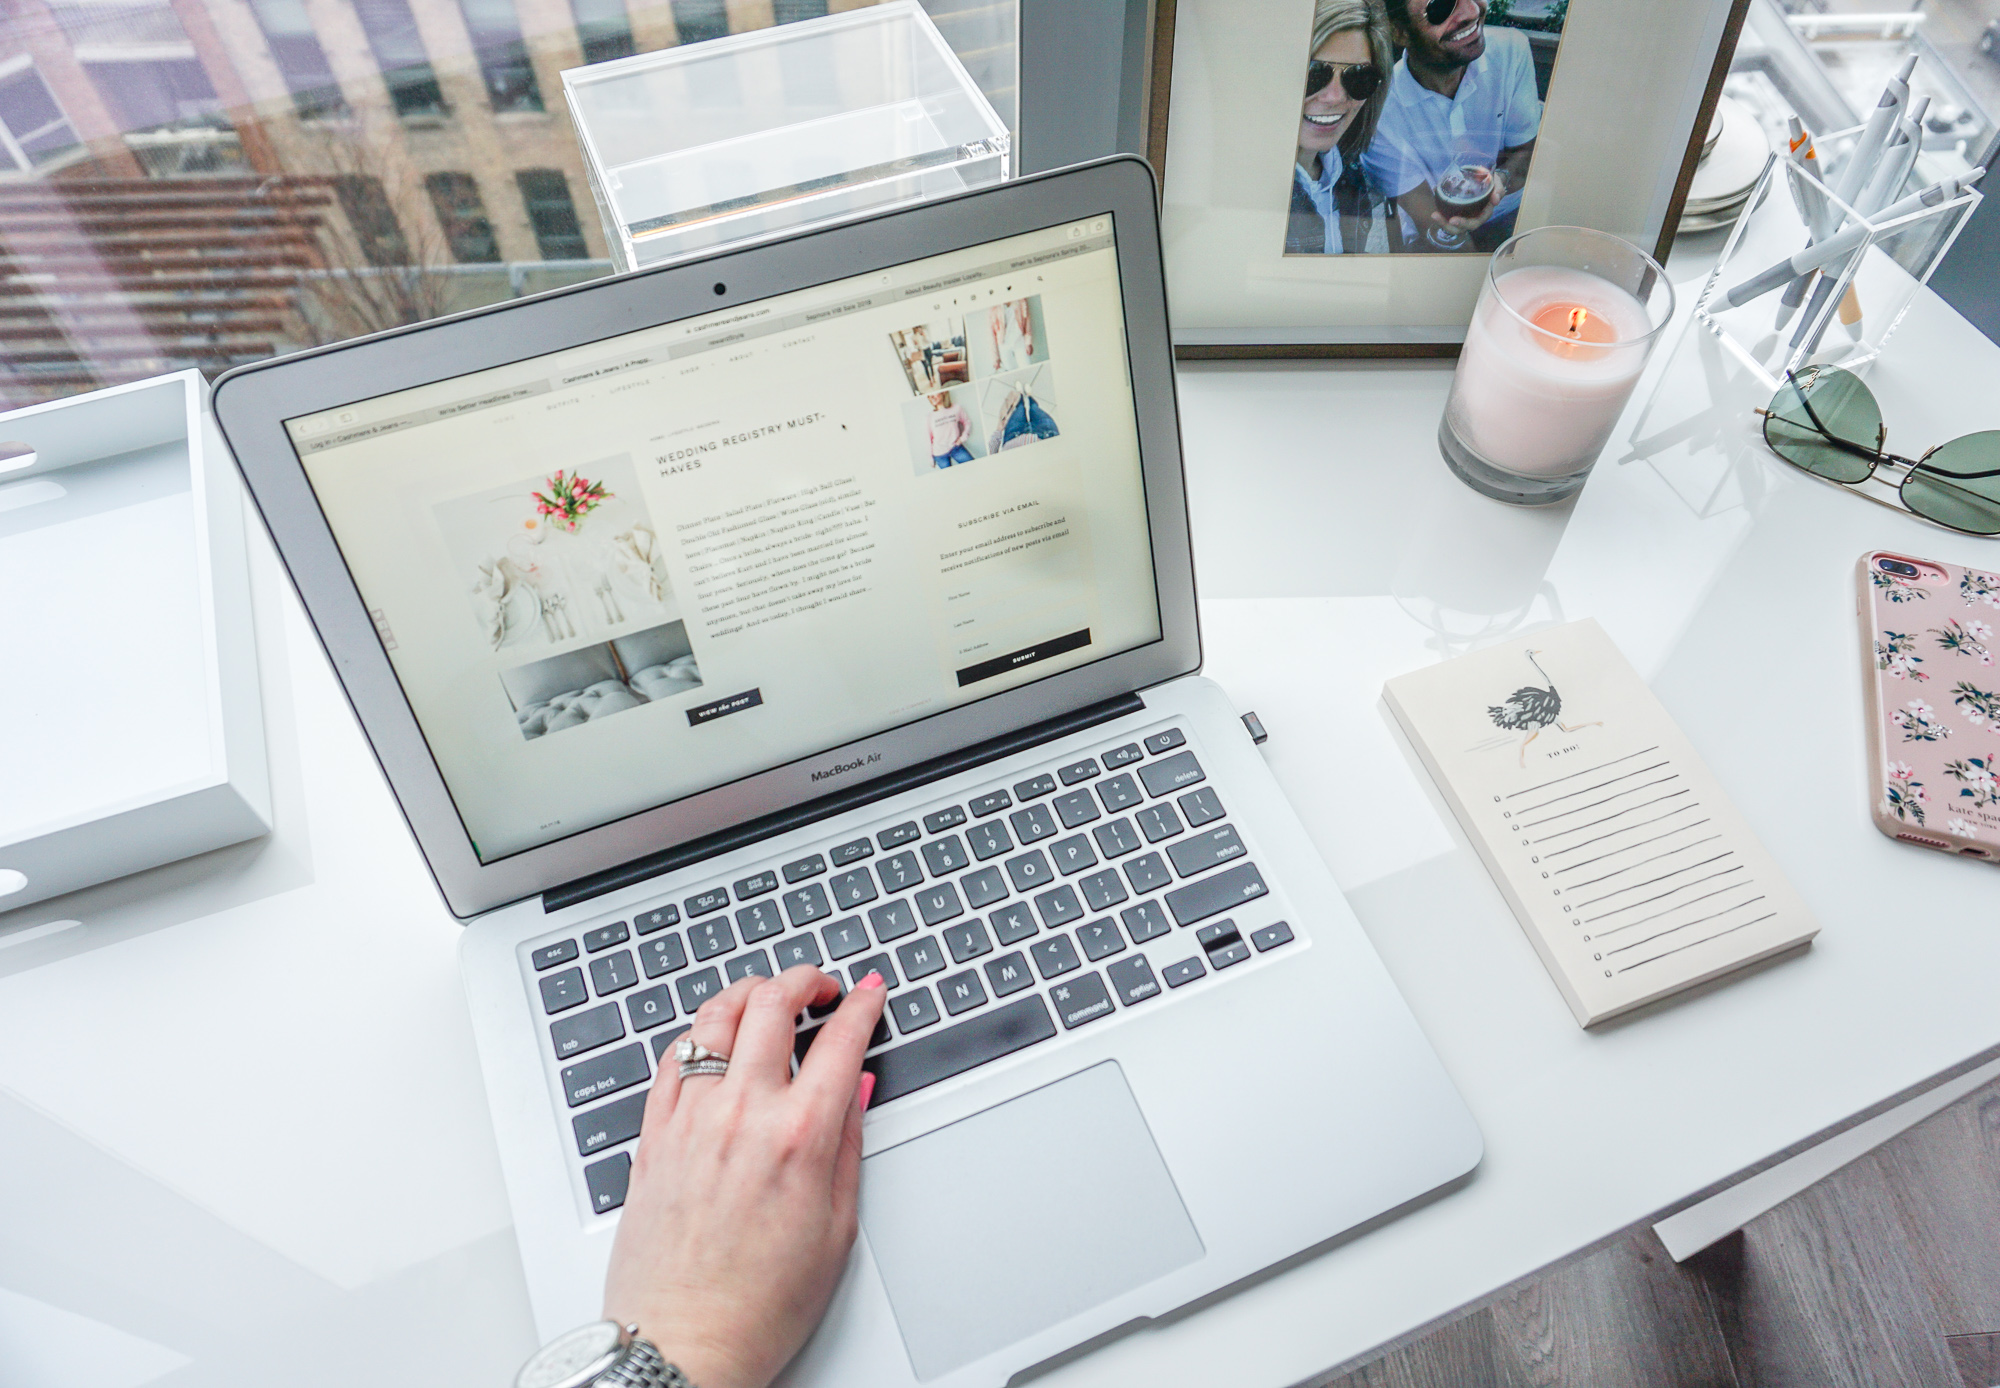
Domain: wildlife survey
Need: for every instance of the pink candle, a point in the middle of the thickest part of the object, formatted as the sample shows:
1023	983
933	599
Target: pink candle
1550	358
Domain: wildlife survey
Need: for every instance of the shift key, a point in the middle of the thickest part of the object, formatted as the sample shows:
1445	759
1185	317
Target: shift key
605	1074
1213	895
608	1126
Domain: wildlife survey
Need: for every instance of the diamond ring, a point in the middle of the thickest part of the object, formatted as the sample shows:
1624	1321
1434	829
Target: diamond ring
697	1059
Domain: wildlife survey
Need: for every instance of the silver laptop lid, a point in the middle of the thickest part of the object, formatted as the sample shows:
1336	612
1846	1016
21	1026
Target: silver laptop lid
621	566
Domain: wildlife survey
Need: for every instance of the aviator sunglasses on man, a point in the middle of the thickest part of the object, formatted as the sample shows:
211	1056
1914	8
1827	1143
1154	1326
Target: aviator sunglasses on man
1826	421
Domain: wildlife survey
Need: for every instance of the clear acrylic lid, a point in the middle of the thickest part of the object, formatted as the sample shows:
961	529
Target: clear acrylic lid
767	130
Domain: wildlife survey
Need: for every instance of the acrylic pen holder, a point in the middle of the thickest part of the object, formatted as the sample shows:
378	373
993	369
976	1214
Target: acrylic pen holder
1846	314
763	133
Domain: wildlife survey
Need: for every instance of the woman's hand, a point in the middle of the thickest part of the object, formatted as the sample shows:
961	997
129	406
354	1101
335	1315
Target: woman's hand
741	1208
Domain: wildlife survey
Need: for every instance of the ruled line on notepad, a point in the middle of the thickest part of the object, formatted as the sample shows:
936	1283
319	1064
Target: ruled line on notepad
1635	905
1693	943
1557	853
1565	814
1588	771
1677	906
1637	843
1634	867
1558	799
1663	877
1629	809
1686	925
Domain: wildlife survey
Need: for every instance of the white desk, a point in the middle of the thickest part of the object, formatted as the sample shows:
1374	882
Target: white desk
241	1122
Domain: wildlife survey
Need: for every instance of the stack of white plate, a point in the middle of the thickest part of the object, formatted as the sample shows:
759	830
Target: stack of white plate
1732	160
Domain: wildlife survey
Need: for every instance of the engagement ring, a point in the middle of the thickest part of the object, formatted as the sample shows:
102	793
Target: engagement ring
697	1059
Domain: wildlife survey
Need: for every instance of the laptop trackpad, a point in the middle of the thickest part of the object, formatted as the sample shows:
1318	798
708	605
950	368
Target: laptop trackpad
1004	1223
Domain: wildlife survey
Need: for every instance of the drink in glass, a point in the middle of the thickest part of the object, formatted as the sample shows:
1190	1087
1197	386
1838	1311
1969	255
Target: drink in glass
1465	191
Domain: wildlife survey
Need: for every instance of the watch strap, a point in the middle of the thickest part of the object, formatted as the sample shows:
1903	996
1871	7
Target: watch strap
642	1366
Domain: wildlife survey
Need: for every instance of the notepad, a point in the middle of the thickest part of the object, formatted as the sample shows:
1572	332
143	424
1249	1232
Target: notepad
1632	873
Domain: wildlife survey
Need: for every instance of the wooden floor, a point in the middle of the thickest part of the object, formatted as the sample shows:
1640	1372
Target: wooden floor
1884	1275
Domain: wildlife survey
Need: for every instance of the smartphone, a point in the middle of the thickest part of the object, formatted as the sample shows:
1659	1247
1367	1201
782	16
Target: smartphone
1930	635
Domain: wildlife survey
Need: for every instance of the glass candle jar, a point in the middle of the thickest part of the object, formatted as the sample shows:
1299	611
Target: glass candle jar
1561	333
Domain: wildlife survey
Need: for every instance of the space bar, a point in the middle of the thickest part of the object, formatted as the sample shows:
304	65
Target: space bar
956	1049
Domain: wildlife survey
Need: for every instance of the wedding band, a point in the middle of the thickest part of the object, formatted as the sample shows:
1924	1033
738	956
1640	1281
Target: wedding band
688	1049
697	1059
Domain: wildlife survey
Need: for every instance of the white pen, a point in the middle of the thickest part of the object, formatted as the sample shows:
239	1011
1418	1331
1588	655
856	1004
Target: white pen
1813	210
1824	253
1860	161
1855	171
1891	170
1796	139
1896	161
1825	221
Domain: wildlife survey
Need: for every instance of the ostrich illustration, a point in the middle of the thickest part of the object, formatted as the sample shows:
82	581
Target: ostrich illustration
1530	709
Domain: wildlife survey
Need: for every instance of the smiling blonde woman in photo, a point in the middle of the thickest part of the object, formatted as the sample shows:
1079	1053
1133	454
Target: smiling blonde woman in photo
1334	209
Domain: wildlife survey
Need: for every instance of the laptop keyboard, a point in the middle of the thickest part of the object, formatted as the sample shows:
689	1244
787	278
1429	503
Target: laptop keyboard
998	922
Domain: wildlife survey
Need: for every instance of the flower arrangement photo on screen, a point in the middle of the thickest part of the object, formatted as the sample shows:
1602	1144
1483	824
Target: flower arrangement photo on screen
568	557
570	497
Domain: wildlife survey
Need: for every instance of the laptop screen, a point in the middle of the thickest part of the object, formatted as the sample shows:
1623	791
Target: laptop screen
621	574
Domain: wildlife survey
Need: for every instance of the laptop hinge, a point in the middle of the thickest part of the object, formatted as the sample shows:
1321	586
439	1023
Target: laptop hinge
826	806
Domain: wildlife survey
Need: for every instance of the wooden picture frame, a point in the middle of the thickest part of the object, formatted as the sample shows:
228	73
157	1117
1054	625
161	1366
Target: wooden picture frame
1402	316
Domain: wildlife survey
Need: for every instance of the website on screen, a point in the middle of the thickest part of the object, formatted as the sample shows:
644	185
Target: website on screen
620	574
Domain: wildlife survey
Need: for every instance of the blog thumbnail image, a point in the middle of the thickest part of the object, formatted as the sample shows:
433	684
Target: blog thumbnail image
1419	124
933	355
581	686
559	556
944	429
1019	408
1007	337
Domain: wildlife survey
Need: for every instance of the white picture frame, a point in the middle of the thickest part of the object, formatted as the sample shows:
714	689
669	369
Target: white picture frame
1220	123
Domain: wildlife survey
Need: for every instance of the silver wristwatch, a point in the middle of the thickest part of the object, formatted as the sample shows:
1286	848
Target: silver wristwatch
603	1354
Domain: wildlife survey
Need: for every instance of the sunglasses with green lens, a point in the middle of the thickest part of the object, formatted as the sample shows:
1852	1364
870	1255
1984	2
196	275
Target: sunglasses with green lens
1826	421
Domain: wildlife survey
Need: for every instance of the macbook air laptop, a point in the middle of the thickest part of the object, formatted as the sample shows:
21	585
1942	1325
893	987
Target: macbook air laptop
830	602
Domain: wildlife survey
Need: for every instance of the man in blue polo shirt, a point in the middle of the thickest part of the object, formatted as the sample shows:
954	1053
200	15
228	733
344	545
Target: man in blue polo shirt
1463	96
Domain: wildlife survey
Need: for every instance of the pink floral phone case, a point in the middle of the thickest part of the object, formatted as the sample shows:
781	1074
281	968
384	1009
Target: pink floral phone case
1933	666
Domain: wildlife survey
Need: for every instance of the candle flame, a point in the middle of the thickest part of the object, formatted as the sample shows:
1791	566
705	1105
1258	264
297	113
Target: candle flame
1577	318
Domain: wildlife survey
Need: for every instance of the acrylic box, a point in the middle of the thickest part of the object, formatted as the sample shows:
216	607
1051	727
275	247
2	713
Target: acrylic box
760	133
1866	293
131	726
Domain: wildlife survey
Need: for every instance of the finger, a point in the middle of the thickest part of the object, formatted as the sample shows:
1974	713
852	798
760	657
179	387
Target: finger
833	1065
847	1162
763	1053
665	1096
716	1023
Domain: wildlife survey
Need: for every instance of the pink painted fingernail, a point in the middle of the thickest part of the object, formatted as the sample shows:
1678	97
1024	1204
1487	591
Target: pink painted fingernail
874	980
867	1089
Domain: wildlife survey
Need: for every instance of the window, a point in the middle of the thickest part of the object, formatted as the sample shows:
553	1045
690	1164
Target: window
463	214
603	29
699	20
792	11
296	49
400	54
157	93
503	55
545	192
142	63
33	129
376	232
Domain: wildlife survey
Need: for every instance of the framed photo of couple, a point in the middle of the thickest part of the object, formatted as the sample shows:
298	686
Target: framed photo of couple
1335	173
